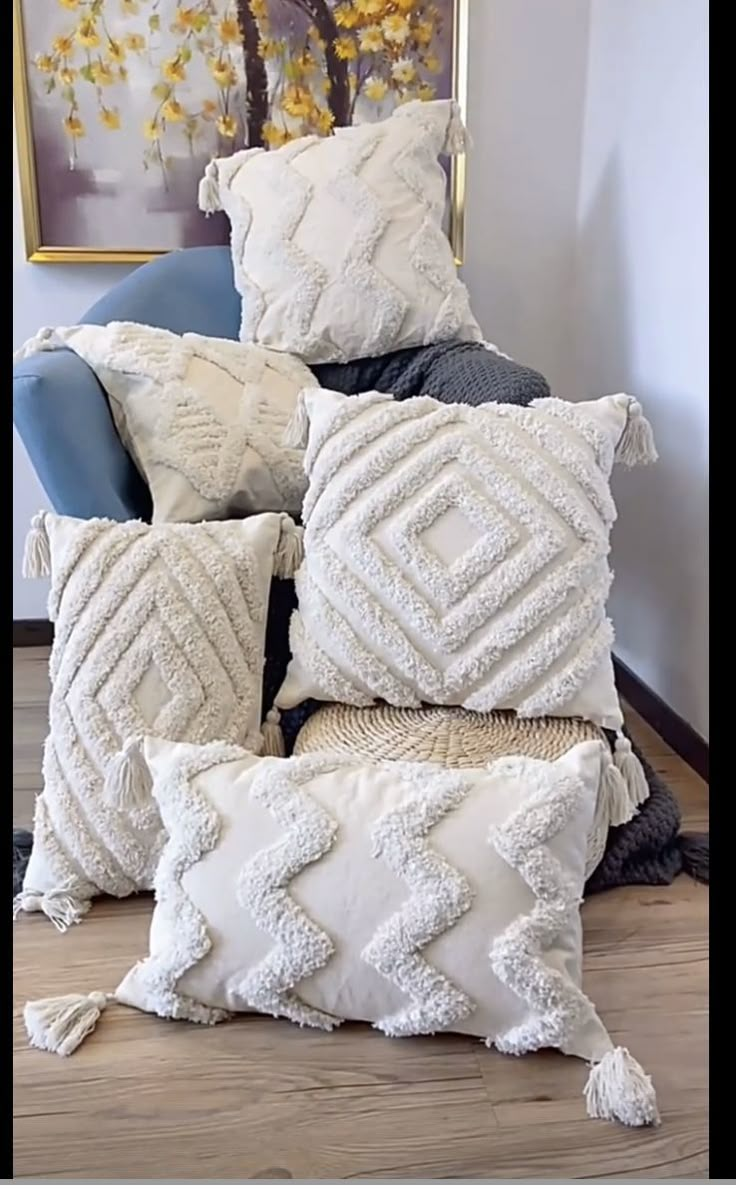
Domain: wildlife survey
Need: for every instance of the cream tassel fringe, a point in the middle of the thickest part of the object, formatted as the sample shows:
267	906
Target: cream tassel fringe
615	797
631	771
273	737
61	907
636	446
45	338
494	349
127	780
37	551
457	138
290	549
60	1024
296	432
208	197
619	1090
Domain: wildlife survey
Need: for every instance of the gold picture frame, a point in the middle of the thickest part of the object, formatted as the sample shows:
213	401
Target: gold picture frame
38	251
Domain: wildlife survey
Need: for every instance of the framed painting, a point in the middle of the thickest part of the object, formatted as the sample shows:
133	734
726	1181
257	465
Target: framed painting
120	104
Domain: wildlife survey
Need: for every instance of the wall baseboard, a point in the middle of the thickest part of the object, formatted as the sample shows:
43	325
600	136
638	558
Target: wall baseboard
32	633
673	729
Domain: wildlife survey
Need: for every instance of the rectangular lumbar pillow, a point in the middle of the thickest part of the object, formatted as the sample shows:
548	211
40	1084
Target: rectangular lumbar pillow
337	242
417	898
157	629
202	417
459	556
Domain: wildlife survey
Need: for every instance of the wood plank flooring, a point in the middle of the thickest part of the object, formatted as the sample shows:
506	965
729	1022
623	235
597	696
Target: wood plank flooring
256	1098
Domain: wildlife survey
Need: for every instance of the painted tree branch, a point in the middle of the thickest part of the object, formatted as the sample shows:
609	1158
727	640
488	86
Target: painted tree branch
338	98
256	78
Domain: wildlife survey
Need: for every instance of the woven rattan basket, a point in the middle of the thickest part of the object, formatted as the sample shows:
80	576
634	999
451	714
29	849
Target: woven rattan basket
455	738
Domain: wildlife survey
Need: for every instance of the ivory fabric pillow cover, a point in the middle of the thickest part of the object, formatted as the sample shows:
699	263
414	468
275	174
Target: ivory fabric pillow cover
157	629
458	556
337	242
202	417
418	898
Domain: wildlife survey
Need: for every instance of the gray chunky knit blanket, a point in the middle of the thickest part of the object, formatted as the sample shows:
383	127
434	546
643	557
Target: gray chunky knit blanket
647	851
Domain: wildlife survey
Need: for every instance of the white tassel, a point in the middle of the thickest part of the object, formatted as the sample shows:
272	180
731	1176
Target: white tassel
614	796
457	138
60	1024
494	349
61	907
296	433
290	549
127	779
37	551
45	338
631	771
273	737
636	446
209	192
619	1090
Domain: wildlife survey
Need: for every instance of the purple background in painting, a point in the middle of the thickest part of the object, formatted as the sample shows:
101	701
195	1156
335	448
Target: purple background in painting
108	201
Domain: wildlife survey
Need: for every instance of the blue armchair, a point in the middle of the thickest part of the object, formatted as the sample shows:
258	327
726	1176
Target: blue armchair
61	411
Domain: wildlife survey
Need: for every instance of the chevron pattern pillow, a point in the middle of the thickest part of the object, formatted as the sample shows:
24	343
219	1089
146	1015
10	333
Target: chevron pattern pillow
202	417
157	629
458	556
418	898
338	244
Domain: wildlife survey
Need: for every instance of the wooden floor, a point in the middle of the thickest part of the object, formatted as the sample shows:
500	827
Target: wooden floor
256	1098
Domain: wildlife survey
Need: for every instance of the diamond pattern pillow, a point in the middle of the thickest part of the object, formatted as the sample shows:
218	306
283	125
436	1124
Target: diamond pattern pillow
156	630
458	556
202	417
458	907
337	243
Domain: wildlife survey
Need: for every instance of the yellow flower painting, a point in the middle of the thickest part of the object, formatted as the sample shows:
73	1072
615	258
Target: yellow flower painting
129	99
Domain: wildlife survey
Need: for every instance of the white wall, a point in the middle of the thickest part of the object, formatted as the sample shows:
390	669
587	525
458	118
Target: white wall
526	98
51	294
640	313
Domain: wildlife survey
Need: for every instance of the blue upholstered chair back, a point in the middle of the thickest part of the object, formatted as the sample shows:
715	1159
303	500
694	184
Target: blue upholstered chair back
61	411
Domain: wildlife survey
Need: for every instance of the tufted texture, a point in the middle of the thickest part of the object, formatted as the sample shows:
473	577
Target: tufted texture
338	246
457	557
156	629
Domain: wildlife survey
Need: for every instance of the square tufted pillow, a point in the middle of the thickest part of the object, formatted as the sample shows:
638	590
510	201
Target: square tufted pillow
202	417
157	629
459	556
417	898
337	242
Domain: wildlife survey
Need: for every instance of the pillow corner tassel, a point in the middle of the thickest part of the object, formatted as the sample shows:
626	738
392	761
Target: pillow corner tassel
128	782
636	446
273	736
296	433
619	1090
457	137
37	550
632	773
45	339
61	1024
62	907
208	196
289	550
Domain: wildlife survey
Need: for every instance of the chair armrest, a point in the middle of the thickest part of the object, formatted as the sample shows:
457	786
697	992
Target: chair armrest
63	418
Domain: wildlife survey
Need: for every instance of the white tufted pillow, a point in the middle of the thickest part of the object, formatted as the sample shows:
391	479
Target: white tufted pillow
202	417
157	629
418	898
337	243
459	556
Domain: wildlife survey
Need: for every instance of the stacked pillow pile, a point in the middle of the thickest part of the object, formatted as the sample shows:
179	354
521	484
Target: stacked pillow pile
419	861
